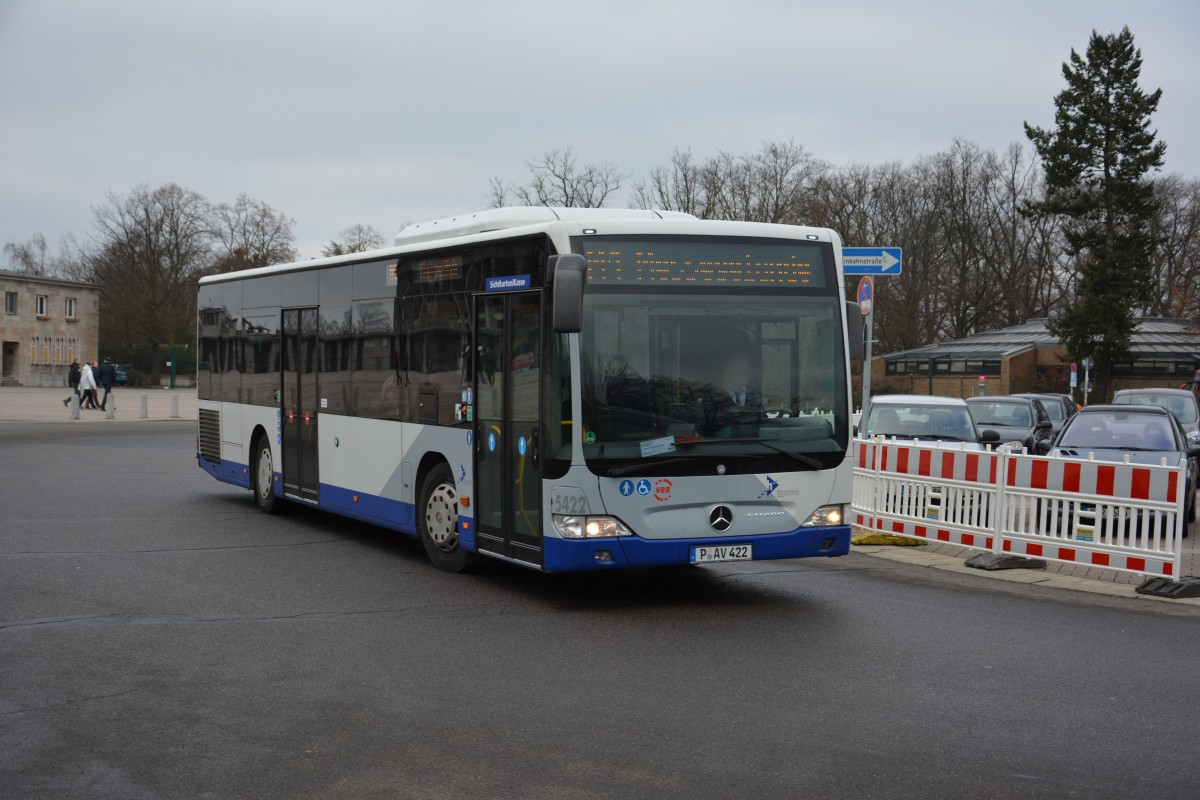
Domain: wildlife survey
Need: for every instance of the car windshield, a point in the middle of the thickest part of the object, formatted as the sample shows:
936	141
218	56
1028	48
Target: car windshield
1181	407
1054	410
701	375
1119	431
1002	414
918	421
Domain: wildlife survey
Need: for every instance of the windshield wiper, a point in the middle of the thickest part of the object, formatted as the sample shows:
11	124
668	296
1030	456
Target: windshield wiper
644	466
803	459
936	437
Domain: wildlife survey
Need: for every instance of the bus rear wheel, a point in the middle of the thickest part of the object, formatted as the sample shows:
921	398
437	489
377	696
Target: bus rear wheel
437	521
264	478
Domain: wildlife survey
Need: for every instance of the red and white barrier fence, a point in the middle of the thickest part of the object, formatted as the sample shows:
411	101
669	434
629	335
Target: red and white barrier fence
1118	516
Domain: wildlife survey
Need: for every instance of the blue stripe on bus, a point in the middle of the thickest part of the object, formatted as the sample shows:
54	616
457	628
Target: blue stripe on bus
381	511
387	513
394	514
562	555
227	472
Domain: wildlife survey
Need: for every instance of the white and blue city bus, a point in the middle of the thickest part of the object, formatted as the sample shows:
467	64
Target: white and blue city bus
564	389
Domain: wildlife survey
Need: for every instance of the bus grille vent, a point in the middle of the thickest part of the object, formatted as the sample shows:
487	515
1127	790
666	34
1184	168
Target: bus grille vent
210	435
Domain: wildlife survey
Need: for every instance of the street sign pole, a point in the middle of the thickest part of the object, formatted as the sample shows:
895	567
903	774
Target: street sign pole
1087	378
868	261
866	301
866	386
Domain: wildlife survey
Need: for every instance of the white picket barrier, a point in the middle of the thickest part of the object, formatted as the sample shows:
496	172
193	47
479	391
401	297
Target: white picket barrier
1119	516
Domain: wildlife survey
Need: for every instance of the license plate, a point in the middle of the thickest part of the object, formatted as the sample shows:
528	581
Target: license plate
722	552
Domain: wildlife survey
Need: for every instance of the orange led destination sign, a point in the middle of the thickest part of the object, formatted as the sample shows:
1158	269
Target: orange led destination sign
685	262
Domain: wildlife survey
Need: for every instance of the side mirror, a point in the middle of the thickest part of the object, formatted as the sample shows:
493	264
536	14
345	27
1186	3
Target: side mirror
568	275
989	436
854	329
1044	447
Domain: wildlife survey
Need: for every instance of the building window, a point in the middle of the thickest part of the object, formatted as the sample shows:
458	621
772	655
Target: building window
58	351
70	308
71	345
10	302
34	349
40	305
46	349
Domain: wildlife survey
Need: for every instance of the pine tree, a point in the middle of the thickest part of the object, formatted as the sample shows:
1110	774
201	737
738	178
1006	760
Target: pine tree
1096	160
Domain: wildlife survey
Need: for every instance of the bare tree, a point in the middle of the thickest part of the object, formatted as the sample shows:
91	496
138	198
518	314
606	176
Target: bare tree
1176	265
677	187
778	183
557	179
355	239
29	257
251	234
150	248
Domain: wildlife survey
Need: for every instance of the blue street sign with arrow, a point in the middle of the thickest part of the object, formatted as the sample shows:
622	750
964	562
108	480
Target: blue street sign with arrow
872	260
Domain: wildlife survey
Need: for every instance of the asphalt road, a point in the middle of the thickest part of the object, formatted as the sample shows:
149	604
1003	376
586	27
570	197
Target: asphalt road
159	638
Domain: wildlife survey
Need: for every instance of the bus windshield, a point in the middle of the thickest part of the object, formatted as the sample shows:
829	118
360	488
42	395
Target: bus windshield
700	377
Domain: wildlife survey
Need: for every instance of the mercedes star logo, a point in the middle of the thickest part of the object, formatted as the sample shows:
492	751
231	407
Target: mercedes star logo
720	518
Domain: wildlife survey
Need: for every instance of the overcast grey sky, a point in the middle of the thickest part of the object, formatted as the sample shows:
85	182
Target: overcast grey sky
383	112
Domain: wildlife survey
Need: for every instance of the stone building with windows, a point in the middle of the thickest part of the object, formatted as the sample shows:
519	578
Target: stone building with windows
46	323
1028	358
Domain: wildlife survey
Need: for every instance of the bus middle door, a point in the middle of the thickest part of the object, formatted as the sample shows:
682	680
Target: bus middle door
301	479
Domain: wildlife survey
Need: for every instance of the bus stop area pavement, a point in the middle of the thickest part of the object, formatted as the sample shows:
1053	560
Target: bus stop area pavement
1073	577
29	404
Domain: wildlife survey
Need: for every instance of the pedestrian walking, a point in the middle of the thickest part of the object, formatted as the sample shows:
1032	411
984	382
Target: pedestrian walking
108	378
87	387
73	375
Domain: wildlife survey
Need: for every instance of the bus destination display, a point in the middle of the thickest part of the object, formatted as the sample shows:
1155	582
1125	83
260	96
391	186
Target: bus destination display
683	262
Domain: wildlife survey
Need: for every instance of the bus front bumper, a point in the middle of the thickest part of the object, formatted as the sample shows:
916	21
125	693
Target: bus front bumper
567	555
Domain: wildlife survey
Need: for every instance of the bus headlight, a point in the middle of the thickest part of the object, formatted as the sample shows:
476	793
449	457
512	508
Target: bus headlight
825	515
572	527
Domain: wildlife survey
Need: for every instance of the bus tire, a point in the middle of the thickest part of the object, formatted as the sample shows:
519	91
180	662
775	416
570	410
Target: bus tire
437	521
263	472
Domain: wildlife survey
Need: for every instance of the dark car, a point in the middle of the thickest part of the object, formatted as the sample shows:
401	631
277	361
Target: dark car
122	374
1144	434
1180	402
1022	421
1060	407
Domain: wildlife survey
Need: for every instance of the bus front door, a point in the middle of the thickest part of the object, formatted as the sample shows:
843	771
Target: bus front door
301	479
507	408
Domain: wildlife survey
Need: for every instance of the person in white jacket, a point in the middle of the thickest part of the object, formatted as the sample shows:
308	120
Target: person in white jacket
87	387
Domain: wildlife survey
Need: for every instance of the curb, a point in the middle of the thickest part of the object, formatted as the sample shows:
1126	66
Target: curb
1028	576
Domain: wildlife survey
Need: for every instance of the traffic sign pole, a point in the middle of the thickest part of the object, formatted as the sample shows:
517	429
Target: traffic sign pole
866	301
866	386
870	261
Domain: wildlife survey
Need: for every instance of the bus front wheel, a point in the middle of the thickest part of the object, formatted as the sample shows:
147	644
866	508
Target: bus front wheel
437	521
264	478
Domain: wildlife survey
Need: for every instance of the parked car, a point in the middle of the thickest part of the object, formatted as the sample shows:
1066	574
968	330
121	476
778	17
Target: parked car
1060	407
923	418
1145	434
122	374
1021	421
1180	402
